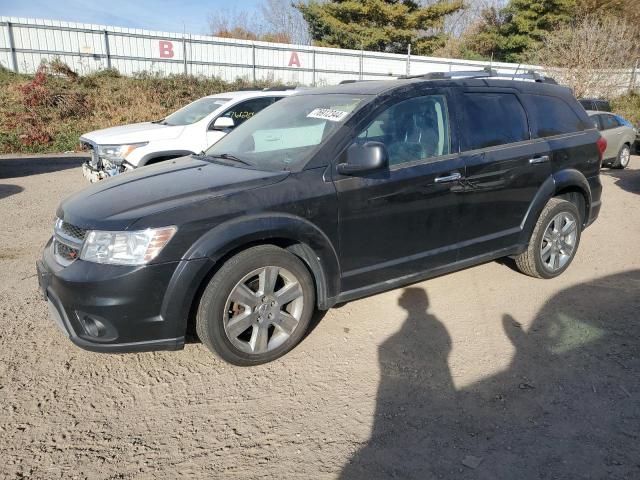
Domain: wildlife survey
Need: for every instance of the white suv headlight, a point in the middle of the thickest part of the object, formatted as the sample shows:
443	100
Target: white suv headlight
125	248
117	153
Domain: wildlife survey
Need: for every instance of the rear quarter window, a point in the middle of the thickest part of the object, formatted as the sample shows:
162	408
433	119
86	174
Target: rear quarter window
551	116
493	119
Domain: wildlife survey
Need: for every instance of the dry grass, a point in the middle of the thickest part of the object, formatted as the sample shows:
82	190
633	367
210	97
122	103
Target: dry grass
47	112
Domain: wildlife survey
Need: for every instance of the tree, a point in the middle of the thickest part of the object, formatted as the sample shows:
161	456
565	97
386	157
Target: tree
378	25
245	25
508	33
282	16
589	56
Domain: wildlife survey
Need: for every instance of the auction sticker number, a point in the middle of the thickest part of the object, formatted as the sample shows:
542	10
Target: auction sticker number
328	114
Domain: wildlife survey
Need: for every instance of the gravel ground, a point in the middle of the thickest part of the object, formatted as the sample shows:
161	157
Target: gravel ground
483	373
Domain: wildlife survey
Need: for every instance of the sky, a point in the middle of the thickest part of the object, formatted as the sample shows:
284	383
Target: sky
166	15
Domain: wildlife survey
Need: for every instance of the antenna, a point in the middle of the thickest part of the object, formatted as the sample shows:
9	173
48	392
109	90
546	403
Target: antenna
516	72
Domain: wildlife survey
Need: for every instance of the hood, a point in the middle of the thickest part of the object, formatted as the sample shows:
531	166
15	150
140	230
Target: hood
116	203
134	133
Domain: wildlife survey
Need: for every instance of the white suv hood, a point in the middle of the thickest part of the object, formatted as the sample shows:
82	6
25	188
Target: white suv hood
134	133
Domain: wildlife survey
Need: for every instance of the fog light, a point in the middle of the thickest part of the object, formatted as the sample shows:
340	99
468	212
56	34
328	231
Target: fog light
93	327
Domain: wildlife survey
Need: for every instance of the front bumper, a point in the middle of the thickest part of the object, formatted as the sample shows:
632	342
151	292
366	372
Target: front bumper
100	172
108	308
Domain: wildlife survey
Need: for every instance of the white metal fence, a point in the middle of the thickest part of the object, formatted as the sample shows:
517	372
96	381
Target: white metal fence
25	42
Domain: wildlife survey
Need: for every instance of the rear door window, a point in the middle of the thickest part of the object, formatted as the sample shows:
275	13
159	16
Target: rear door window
609	122
551	116
493	119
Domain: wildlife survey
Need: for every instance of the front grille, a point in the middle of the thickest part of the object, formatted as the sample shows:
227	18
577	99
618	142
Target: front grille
73	231
67	242
67	253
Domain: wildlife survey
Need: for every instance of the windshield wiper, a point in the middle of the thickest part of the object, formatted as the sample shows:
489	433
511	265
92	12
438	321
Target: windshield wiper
160	122
228	156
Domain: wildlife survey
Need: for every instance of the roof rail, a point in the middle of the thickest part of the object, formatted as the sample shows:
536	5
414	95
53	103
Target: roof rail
344	82
486	72
279	88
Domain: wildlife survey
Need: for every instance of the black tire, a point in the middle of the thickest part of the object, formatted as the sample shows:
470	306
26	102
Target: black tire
530	262
622	160
210	319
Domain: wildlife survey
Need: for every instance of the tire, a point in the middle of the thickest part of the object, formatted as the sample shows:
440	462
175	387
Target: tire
622	160
545	239
257	307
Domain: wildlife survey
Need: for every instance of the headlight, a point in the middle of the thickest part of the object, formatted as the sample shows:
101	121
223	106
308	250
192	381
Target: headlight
125	248
118	153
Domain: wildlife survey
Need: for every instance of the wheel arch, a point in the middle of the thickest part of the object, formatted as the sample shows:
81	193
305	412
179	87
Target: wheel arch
208	254
566	183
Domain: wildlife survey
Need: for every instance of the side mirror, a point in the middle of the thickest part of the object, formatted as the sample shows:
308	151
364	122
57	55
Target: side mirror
223	123
366	157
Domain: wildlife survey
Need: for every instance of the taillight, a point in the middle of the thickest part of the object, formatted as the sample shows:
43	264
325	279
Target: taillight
602	146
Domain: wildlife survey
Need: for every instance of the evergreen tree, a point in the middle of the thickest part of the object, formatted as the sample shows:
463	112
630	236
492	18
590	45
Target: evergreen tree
378	25
509	33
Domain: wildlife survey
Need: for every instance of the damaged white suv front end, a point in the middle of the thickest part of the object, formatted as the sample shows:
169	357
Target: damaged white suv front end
107	160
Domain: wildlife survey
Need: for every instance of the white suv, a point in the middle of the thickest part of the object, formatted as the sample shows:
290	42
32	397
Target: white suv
190	130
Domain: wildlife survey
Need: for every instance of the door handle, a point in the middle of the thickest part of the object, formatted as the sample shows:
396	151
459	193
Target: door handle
449	178
541	159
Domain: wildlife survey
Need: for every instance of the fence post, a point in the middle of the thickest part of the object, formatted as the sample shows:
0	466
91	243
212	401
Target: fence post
634	73
361	63
12	47
409	60
313	67
253	62
184	53
106	48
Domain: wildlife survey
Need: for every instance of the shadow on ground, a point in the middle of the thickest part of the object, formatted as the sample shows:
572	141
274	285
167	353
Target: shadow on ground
8	190
13	167
567	407
626	179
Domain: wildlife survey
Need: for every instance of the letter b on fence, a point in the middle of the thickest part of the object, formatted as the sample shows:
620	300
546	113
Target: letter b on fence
166	49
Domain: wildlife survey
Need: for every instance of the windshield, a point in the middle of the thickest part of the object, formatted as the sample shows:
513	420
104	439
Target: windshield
285	135
195	111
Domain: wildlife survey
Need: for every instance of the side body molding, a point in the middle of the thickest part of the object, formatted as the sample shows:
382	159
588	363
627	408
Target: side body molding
315	248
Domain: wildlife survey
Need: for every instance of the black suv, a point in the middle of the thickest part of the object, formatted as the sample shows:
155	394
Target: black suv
329	195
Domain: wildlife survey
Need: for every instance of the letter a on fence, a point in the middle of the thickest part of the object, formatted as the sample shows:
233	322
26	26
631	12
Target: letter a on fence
166	49
294	60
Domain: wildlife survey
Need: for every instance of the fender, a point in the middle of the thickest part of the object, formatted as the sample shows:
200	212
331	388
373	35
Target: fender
316	248
558	181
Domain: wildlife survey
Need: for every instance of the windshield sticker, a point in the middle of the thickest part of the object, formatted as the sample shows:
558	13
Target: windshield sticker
328	114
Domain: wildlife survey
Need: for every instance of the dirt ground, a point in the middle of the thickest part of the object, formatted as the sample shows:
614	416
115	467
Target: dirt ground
482	374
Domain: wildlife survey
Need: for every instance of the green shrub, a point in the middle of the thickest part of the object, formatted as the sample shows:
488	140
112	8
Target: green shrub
628	106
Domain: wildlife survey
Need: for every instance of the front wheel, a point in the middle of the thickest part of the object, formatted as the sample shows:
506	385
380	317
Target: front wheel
257	307
554	241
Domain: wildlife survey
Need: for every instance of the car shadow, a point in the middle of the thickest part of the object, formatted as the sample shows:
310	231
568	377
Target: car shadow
566	407
8	190
14	167
627	179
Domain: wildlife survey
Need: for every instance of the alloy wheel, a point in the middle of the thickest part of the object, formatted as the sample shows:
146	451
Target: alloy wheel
263	309
625	155
559	241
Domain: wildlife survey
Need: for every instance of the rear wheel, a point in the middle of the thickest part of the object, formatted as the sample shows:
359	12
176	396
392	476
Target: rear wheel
622	160
554	241
257	307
